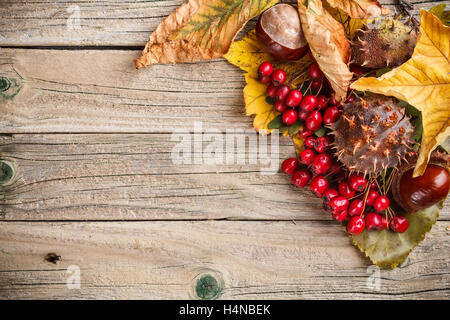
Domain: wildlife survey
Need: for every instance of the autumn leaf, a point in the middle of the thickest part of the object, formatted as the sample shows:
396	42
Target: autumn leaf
248	54
328	44
388	249
441	14
361	9
351	25
199	30
424	82
298	143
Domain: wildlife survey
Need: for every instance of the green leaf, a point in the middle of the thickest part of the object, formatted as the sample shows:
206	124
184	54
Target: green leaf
441	14
321	132
276	123
382	71
295	127
416	119
388	249
270	100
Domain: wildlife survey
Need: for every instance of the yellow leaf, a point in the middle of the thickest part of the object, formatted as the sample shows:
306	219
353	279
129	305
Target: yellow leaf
328	44
361	9
298	143
441	14
351	25
247	54
424	82
199	30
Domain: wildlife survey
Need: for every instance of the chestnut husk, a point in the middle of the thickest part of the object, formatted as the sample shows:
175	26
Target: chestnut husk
275	49
427	193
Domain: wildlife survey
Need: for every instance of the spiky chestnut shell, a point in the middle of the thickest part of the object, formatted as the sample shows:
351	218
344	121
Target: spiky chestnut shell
372	134
387	44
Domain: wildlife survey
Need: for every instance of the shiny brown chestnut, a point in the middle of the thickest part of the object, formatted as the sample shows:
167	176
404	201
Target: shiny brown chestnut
413	194
279	32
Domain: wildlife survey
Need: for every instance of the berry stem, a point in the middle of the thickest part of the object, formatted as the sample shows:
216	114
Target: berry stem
366	191
320	89
301	74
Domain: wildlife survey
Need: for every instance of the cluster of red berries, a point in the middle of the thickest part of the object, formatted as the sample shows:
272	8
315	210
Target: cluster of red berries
313	110
346	196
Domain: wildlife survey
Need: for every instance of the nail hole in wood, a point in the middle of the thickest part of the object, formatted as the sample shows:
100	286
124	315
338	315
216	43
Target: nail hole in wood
52	257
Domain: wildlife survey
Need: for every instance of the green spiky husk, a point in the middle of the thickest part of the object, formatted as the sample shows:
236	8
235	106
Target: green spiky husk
387	43
372	134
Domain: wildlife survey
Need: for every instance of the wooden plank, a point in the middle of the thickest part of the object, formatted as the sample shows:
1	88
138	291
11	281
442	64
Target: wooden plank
102	23
253	260
133	177
101	91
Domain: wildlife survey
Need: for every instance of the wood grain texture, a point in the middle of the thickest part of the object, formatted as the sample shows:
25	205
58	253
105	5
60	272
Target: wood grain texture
132	177
255	260
101	91
89	138
96	177
102	23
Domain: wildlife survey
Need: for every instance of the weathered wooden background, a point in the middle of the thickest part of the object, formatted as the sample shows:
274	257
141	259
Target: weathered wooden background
89	140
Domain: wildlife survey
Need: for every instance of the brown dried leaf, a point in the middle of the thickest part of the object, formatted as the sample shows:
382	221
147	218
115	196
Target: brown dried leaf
199	30
361	9
328	44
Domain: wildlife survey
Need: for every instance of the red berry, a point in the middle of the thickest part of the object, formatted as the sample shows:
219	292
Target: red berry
321	163
322	102
373	185
381	203
278	77
307	156
333	100
350	99
289	165
316	84
374	221
384	223
340	216
310	142
282	92
338	204
300	178
265	69
329	194
265	79
331	115
356	207
322	144
305	133
345	190
335	168
356	225
308	103
314	121
319	185
290	116
271	90
303	115
280	106
357	70
294	98
399	224
357	182
371	196
314	71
